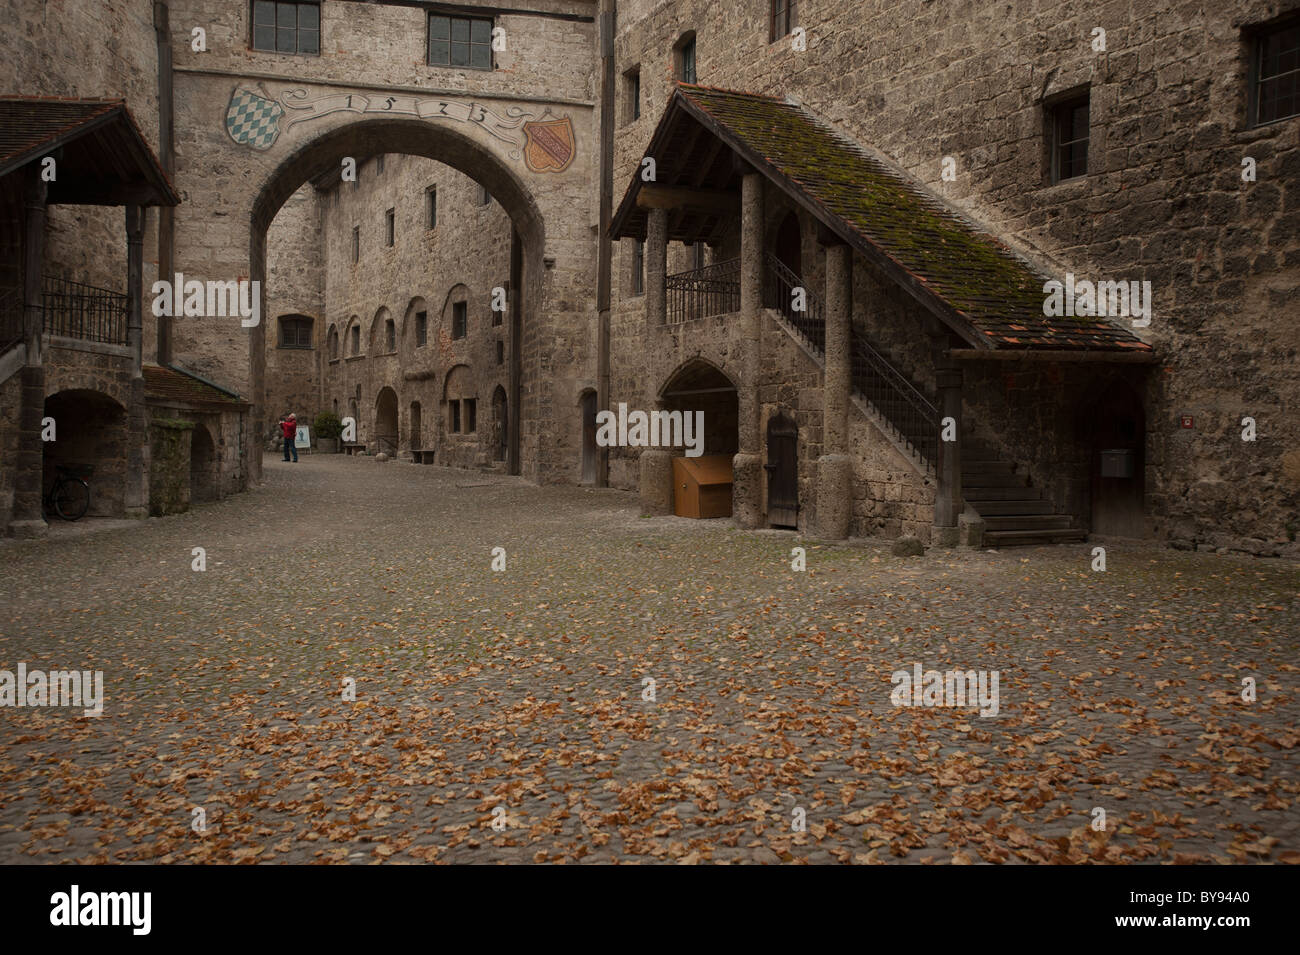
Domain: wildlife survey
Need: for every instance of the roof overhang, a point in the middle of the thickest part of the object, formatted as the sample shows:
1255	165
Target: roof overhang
101	159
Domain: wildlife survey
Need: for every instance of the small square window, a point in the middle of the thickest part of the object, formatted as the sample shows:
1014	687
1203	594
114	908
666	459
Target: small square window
421	328
287	27
295	332
462	42
1069	137
390	227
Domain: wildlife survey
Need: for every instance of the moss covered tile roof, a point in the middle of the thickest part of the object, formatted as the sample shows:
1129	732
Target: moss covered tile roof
963	273
163	384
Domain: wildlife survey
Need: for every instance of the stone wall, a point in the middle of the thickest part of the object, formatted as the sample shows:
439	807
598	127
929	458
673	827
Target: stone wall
169	475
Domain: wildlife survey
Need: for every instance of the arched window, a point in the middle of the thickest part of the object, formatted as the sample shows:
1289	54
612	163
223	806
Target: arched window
295	331
390	335
333	338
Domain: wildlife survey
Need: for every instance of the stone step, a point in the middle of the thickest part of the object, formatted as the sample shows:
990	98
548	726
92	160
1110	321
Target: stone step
992	479
1016	538
977	494
998	508
1028	522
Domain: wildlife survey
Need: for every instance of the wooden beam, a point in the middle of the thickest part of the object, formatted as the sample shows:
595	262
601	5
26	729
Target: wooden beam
673	197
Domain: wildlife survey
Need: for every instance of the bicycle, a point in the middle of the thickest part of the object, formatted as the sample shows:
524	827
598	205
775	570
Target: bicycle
69	496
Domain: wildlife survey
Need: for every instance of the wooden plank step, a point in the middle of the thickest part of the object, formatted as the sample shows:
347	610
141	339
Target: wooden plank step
1022	538
977	494
989	509
1026	522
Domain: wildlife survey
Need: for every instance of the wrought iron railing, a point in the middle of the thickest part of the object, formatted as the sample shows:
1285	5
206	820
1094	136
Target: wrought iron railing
907	411
76	310
699	293
910	413
789	293
11	317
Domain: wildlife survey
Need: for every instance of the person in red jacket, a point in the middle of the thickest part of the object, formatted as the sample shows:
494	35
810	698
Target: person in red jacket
289	428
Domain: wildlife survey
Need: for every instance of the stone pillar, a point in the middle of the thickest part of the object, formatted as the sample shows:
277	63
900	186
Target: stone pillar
137	415
747	470
948	499
29	457
835	466
656	267
656	482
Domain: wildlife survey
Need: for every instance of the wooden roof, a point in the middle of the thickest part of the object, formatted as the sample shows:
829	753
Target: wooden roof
985	293
101	157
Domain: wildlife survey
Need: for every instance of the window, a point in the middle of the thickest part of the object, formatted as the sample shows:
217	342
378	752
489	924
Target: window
460	41
390	230
334	345
484	197
686	58
632	95
379	165
390	335
280	27
356	339
501	353
356	244
782	19
431	207
421	328
638	267
1275	74
459	319
471	424
1069	120
295	332
454	407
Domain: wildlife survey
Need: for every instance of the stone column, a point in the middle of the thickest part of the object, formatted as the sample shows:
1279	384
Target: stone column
656	268
29	457
137	415
747	470
948	499
835	466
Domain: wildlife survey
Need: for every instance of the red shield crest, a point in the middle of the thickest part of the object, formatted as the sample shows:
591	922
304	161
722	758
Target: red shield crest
548	145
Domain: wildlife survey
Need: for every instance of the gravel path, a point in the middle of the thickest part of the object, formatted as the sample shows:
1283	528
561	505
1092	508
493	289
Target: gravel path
503	716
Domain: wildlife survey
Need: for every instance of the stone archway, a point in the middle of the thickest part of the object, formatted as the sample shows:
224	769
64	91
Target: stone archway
367	137
386	436
90	432
204	480
700	386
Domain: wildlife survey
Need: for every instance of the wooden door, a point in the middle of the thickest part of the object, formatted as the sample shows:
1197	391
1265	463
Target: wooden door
782	471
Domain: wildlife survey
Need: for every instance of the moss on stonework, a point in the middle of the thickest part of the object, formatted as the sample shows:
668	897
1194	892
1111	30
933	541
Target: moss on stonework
177	423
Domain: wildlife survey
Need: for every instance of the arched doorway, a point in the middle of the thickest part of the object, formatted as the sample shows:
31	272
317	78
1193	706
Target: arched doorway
90	432
500	423
319	158
385	437
590	453
416	428
1117	458
203	466
700	386
782	471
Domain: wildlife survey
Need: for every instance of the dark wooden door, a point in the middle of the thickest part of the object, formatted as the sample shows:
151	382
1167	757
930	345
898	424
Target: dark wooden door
589	450
782	471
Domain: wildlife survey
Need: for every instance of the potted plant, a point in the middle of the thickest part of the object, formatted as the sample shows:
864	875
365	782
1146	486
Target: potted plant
328	428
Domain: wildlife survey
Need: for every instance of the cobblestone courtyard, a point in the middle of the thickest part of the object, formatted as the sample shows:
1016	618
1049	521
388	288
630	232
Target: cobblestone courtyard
516	697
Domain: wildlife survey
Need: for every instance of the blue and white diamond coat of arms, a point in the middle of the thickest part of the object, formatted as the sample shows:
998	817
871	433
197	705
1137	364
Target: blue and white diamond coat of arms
252	119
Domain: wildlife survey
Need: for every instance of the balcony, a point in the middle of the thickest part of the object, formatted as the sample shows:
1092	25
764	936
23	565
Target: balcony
76	310
699	293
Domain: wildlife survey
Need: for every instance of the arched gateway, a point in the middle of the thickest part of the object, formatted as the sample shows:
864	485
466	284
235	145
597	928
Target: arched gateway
527	137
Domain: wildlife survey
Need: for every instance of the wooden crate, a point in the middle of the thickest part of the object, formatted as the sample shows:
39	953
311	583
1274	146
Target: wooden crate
702	486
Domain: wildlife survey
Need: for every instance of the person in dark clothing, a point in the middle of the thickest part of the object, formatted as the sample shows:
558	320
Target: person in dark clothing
289	428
